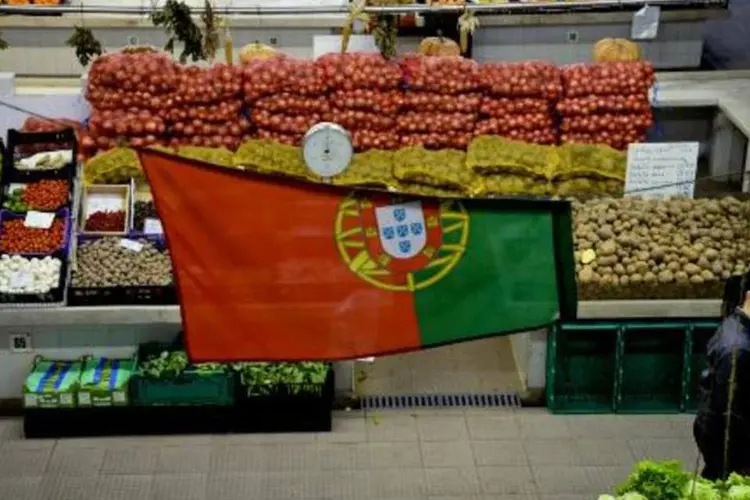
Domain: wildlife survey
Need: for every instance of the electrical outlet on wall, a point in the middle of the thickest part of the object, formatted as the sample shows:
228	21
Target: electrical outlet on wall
20	342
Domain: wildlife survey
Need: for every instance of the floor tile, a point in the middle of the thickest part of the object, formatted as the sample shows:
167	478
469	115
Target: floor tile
452	481
183	459
123	487
390	426
493	426
179	487
130	461
506	480
20	488
447	454
17	461
442	428
67	488
499	452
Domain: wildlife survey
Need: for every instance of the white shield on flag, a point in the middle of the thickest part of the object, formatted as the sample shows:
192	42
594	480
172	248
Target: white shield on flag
402	229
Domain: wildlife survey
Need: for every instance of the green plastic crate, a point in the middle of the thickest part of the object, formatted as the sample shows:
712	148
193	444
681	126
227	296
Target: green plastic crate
651	369
581	362
696	347
189	389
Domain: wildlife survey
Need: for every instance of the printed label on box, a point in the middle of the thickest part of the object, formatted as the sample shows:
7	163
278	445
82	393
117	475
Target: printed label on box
131	245
66	399
30	401
152	226
119	397
39	220
84	399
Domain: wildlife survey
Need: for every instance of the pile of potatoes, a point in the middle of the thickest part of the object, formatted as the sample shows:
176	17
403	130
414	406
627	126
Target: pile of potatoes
632	248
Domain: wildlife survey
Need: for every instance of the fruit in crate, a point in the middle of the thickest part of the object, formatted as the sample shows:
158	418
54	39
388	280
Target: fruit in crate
439	46
616	50
257	52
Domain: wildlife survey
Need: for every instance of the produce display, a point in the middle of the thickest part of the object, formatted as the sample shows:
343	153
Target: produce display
22	275
263	379
632	248
105	221
449	88
669	481
36	124
606	103
120	262
143	210
518	101
44	195
16	237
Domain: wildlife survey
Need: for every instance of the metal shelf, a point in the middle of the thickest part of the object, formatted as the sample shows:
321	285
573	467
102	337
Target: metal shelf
143	315
499	8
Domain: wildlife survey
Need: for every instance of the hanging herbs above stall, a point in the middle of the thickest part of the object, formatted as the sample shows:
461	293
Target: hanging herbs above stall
467	25
177	20
385	33
211	24
85	44
357	14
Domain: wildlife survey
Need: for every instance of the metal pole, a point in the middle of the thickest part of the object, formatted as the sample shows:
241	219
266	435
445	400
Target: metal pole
506	8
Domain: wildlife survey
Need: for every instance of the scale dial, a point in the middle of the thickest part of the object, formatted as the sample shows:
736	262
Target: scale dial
327	149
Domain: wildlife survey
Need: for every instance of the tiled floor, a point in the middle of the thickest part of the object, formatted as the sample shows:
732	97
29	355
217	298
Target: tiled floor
436	455
481	366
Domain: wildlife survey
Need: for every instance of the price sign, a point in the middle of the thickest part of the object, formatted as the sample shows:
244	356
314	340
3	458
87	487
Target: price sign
39	220
131	245
21	279
152	226
646	23
661	170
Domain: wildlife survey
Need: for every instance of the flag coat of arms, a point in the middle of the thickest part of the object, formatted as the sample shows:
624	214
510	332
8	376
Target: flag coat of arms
271	268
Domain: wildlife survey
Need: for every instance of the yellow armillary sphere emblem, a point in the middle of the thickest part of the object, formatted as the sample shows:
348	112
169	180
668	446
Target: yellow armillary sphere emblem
399	244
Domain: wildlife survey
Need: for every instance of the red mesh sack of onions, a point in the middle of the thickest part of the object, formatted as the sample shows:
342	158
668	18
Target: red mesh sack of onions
387	102
616	140
501	107
228	133
293	104
140	79
443	74
607	122
454	139
415	122
597	104
283	75
613	78
217	83
281	137
374	139
360	70
284	123
526	79
34	124
442	103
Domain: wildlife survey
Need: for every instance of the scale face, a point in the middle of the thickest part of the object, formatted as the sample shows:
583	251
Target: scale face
327	149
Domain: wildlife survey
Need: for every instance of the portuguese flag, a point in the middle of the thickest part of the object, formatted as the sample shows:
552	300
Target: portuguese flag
272	268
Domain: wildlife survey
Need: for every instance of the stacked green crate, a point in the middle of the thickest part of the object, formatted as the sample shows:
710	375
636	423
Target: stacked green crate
651	371
581	367
52	384
696	362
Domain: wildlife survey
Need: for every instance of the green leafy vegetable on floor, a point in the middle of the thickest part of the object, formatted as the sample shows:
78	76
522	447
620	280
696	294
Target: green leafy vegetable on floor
656	481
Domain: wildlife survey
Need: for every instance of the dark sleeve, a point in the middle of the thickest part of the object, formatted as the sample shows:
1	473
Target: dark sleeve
719	398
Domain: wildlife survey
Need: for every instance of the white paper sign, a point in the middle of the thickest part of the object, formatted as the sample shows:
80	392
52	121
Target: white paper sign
104	202
21	279
326	44
645	23
152	226
131	245
660	170
39	220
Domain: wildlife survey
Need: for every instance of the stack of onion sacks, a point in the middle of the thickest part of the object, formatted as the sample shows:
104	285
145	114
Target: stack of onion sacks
441	101
518	101
287	96
606	103
207	108
130	94
365	97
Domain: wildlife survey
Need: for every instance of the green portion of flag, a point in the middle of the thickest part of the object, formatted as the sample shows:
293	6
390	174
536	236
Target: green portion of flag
509	278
